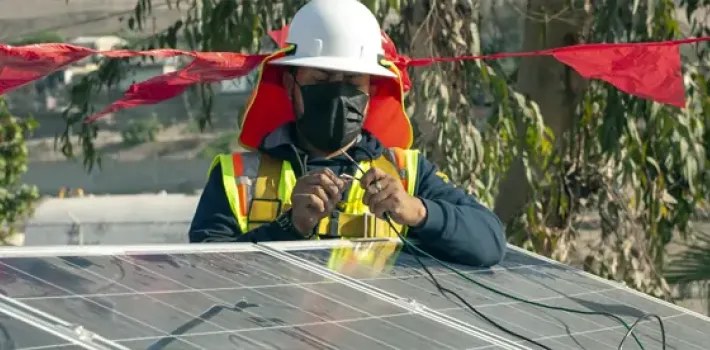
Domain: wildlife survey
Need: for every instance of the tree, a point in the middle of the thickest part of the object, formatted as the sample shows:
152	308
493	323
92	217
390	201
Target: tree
16	199
565	145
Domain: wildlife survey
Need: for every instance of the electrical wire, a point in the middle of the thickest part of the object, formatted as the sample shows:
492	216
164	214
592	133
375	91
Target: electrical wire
637	322
443	290
629	329
413	250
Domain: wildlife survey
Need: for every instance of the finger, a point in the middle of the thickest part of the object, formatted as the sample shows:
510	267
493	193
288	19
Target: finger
306	197
322	194
332	191
347	177
348	180
330	175
328	172
307	190
372	175
337	180
383	206
374	190
375	198
323	180
312	202
334	178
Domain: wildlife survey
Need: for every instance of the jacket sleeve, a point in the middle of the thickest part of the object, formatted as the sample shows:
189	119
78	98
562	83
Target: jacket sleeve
215	222
457	227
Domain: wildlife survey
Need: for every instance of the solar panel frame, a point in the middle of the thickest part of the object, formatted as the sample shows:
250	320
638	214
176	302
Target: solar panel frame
405	303
122	252
284	252
623	292
55	326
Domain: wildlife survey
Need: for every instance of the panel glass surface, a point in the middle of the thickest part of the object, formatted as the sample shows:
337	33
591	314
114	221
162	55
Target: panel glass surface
17	334
245	300
526	276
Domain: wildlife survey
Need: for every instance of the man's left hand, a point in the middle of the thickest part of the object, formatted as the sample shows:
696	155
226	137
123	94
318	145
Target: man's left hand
384	193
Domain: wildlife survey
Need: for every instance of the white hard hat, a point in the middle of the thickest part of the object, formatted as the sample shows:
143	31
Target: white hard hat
340	35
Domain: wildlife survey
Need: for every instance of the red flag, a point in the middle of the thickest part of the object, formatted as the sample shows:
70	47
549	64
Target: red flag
207	67
647	71
24	64
279	36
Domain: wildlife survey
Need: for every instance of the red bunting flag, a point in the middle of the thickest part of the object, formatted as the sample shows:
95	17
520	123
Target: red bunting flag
648	70
21	65
205	68
279	36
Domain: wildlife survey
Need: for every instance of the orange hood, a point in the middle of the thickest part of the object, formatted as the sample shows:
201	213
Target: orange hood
269	107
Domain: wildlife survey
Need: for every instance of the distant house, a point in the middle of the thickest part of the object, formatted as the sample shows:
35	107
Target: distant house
90	64
101	43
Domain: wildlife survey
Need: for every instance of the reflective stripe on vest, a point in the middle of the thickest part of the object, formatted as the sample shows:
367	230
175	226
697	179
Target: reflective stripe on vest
238	172
259	189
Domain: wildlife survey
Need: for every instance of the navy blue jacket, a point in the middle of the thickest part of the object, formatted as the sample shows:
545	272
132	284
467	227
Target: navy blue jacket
457	227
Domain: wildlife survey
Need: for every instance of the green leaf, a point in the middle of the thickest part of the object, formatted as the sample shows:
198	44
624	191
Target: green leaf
693	264
394	4
373	5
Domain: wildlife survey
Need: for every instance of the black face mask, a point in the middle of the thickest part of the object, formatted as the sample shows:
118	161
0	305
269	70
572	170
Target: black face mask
333	114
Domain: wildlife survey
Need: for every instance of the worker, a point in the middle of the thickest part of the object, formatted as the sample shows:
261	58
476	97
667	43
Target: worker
329	152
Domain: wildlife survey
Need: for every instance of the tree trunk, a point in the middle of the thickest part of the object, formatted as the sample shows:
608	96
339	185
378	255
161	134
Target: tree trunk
439	29
421	28
420	45
555	87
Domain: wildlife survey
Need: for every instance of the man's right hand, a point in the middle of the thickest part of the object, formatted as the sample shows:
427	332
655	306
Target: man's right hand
314	197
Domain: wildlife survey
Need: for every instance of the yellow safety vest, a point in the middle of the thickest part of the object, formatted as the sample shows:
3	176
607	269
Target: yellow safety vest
259	187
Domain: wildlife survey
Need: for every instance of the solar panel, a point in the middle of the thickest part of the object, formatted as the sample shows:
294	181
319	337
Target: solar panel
534	278
218	296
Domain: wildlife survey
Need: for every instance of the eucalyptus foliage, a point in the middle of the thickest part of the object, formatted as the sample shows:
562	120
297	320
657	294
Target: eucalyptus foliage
651	161
691	267
641	166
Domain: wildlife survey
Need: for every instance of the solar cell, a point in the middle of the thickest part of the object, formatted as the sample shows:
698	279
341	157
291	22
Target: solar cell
35	338
534	278
212	297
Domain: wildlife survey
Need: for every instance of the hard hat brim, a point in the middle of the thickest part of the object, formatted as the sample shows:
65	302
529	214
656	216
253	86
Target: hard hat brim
335	64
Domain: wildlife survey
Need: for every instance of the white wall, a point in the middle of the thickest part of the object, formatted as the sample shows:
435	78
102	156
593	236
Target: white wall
128	219
171	175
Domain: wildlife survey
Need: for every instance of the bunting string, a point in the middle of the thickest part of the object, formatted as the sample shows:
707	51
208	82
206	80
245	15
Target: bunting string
650	70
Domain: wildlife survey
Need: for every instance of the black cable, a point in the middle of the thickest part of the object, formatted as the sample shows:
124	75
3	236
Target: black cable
200	319
412	249
443	290
630	329
637	322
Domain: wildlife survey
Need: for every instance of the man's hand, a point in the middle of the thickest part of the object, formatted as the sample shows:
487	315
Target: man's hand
314	197
384	193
